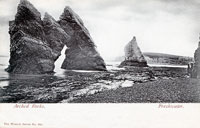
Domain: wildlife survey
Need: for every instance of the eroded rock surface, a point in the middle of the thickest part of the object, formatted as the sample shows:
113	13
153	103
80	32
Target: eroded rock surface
56	37
196	69
29	50
36	44
133	55
81	53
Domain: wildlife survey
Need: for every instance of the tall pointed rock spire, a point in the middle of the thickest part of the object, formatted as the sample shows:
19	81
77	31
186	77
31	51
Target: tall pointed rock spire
29	50
26	11
133	55
81	53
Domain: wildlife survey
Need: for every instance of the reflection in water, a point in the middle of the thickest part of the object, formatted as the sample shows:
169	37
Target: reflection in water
27	88
57	87
34	80
66	85
63	86
3	73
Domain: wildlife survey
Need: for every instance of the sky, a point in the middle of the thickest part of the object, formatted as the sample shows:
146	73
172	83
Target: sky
164	26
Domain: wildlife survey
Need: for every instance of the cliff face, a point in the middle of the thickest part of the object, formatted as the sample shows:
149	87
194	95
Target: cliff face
36	44
133	55
167	59
197	62
81	53
29	52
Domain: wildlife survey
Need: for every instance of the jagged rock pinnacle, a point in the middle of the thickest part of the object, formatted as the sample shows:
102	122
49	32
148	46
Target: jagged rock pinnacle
56	37
26	11
81	53
133	55
36	44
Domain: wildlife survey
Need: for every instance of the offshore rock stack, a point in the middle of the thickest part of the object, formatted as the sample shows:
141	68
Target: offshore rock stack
133	55
29	50
81	53
36	44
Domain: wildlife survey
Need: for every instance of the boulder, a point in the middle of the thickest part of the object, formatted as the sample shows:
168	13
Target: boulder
29	50
133	55
81	53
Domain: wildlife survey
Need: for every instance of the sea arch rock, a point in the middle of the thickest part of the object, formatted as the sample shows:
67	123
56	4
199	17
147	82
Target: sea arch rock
36	44
56	37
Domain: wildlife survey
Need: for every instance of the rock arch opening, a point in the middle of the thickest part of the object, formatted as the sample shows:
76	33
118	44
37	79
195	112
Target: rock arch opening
59	61
36	43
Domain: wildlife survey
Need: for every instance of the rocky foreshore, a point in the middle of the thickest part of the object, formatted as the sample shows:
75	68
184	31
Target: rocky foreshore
148	84
176	90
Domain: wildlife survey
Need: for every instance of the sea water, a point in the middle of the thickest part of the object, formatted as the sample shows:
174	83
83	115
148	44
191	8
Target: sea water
25	82
111	66
3	74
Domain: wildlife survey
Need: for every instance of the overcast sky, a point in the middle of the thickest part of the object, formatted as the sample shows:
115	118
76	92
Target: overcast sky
166	26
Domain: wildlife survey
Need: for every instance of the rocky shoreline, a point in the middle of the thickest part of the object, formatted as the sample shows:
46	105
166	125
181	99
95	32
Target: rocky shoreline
82	87
178	90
